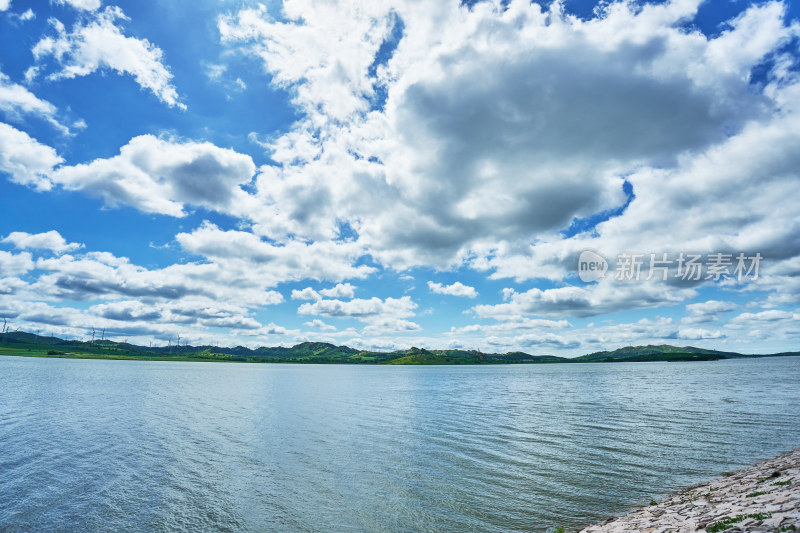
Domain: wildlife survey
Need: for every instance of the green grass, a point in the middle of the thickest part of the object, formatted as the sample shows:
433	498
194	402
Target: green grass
783	483
728	523
757	493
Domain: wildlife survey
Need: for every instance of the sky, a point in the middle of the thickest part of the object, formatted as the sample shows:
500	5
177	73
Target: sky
556	177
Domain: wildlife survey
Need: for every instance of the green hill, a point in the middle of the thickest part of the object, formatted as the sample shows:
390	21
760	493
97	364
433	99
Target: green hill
28	344
663	352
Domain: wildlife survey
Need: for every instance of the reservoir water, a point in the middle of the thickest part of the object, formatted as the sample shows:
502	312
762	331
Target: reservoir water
94	445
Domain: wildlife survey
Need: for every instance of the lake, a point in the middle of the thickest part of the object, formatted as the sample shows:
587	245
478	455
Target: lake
94	445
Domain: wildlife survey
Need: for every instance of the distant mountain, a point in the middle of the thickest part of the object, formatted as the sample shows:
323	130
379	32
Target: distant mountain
662	352
23	343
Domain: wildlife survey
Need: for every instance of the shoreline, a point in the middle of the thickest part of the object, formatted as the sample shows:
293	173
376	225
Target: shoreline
190	359
401	361
763	497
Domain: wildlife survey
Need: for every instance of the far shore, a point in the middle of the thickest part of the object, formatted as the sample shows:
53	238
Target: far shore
410	361
20	343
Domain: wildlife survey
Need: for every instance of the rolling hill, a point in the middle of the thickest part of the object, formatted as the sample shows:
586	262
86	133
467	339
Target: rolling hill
29	344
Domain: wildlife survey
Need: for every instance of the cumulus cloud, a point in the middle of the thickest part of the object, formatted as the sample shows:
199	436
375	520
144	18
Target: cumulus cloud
100	275
709	311
159	175
534	340
320	325
383	326
341	290
699	334
573	301
4	5
492	137
126	311
463	148
100	44
85	5
478	141
322	51
16	101
381	316
511	326
249	255
306	294
361	308
15	264
190	299
27	161
455	289
772	315
51	240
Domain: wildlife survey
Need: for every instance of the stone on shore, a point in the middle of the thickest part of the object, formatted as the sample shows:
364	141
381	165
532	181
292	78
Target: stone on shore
765	497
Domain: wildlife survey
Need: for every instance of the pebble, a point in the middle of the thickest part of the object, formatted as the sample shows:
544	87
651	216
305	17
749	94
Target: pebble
703	506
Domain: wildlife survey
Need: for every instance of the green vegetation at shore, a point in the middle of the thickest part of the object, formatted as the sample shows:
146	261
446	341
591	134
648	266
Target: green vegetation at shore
30	345
728	523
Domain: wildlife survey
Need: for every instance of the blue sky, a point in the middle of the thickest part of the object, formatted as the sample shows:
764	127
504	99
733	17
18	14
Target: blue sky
389	174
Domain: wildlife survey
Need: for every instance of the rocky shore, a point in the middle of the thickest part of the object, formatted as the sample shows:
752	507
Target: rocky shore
765	497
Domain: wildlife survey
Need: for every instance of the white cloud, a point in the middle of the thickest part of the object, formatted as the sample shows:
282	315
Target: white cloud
248	255
5	4
16	100
15	264
341	290
86	5
361	308
570	301
197	321
27	161
455	289
306	294
215	72
486	132
534	340
709	311
384	326
100	44
511	325
25	16
100	275
31	73
322	51
127	311
160	176
699	334
51	240
320	325
772	315
475	168
381	316
508	169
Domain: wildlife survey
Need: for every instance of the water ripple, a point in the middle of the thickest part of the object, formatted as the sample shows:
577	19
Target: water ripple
139	446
